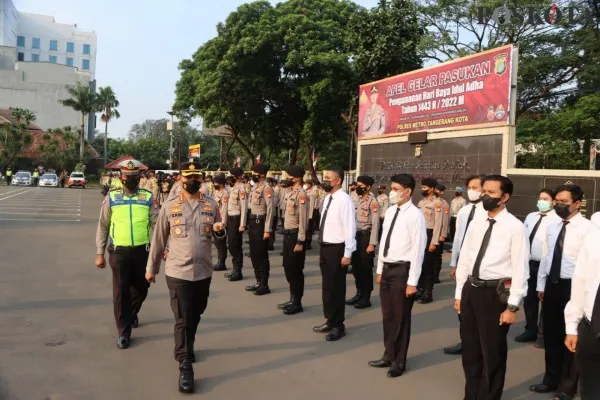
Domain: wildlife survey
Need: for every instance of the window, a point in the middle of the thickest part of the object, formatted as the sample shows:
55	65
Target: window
20	41
85	64
53	45
35	43
20	56
70	61
70	47
86	49
52	59
35	57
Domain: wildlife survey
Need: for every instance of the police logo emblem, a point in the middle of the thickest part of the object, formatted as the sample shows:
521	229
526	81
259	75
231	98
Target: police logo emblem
178	231
500	63
207	228
130	165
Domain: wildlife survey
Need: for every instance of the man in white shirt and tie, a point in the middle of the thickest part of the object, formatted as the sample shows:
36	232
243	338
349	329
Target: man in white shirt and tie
398	269
536	224
562	244
491	280
582	317
337	239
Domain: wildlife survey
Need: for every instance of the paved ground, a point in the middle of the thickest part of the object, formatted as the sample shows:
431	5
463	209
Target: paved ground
57	335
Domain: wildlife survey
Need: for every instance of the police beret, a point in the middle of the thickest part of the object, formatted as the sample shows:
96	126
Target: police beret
429	182
296	171
260	169
441	187
367	180
236	171
190	168
220	179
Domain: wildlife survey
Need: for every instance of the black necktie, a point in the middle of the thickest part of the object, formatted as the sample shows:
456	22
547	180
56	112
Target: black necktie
389	235
483	248
535	229
558	252
471	215
322	227
596	316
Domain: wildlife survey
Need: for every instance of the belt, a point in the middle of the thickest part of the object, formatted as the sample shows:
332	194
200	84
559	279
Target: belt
560	280
364	232
257	217
146	246
331	244
290	231
397	264
484	283
234	216
534	262
586	322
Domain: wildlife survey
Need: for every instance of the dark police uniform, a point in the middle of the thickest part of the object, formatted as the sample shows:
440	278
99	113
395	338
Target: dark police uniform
235	216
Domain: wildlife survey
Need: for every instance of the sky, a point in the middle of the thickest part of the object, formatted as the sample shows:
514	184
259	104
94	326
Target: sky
140	45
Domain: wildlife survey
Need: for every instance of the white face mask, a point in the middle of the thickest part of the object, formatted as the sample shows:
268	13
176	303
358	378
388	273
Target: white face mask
305	187
393	197
473	195
252	183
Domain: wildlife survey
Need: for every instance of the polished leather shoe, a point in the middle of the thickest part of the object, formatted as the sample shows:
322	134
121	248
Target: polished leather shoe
526	337
186	377
364	302
562	396
542	388
228	274
123	342
293	308
395	371
219	267
282	306
335	334
380	363
235	276
252	288
454	350
261	290
135	322
322	328
353	300
425	299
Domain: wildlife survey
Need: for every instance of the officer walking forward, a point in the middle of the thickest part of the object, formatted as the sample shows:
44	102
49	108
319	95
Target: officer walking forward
221	196
188	223
235	215
126	220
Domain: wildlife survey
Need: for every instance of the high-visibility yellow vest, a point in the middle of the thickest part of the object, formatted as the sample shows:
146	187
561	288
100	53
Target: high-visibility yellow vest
36	174
8	173
116	183
130	218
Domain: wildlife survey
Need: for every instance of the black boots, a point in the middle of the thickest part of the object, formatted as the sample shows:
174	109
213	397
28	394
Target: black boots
219	267
263	288
235	275
186	377
294	307
282	306
353	300
252	288
364	301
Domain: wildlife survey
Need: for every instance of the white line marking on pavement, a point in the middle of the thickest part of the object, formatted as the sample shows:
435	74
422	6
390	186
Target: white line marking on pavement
44	214
12	191
2	207
28	190
40	220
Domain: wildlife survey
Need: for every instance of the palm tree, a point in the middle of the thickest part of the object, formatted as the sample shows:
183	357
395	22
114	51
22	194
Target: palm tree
23	115
108	103
84	100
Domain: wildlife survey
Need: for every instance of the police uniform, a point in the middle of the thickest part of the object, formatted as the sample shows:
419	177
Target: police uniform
261	221
384	203
175	190
294	234
312	200
187	225
221	197
275	219
354	196
367	229
235	217
285	192
432	210
8	176
444	234
125	223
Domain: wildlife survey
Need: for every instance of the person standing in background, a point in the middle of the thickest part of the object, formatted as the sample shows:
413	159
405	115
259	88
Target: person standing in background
456	204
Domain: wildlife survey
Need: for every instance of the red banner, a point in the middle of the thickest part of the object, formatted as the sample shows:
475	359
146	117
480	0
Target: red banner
473	90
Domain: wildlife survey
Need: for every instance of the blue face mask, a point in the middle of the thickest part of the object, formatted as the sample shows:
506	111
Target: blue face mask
544	205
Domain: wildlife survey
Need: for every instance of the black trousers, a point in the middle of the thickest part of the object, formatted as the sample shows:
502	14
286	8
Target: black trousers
587	359
130	287
293	263
484	343
334	284
316	220
235	241
429	262
452	229
221	246
271	241
362	263
439	253
188	302
396	310
309	230
8	180
560	366
531	303
259	253
380	230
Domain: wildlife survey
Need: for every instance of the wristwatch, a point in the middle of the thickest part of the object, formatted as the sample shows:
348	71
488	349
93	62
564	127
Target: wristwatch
512	308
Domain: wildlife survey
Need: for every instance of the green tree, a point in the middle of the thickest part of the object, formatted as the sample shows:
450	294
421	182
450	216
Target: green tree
22	115
60	148
108	103
85	101
17	136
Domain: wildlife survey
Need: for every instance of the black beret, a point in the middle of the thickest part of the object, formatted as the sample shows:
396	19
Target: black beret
296	171
220	179
441	187
367	180
236	171
428	182
260	169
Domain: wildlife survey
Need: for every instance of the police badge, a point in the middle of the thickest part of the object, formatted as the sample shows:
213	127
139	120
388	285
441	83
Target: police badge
500	61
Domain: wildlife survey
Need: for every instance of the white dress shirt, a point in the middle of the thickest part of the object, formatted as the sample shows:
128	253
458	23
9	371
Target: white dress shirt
340	226
408	239
537	246
584	287
577	229
507	255
596	219
461	225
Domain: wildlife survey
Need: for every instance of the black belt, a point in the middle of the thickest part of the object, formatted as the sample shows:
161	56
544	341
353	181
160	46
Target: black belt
560	280
113	247
257	217
398	264
290	231
364	232
234	216
484	283
331	244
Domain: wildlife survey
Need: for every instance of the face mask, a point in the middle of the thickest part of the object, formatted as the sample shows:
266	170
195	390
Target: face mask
165	189
131	183
360	190
305	187
473	195
393	197
252	183
424	193
192	187
255	178
327	186
544	205
490	203
562	210
381	191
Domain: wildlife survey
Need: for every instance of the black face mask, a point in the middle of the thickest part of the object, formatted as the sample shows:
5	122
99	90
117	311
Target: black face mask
131	182
490	203
217	186
562	210
326	185
256	178
231	184
424	193
192	187
381	191
360	190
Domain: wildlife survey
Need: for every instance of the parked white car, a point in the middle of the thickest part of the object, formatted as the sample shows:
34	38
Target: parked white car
22	178
49	180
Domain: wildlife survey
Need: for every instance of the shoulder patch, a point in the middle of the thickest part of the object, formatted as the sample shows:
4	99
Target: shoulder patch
438	207
302	198
446	209
374	206
242	194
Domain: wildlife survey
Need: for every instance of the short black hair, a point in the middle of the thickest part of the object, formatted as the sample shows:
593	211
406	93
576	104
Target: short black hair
549	192
338	171
481	177
506	185
406	180
576	191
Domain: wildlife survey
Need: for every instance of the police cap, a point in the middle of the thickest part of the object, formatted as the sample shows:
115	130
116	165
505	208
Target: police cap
367	180
220	179
190	168
236	171
130	167
260	169
296	171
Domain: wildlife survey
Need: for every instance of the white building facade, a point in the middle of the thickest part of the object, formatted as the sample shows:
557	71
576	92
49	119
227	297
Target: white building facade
8	23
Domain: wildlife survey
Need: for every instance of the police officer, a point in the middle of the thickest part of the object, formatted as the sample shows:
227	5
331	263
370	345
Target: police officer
127	217
271	182
313	201
260	229
8	176
235	217
439	193
221	196
431	207
188	223
285	192
367	228
384	203
294	236
353	195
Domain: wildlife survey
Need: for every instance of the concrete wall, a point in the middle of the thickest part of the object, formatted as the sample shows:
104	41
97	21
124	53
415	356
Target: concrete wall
8	23
8	57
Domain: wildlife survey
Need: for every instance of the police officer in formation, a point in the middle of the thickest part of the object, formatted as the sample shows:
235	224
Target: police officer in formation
445	232
126	219
367	229
220	195
311	192
235	216
275	217
384	203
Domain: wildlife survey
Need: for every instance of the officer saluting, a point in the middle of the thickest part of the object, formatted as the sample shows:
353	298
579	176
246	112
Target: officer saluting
188	223
127	217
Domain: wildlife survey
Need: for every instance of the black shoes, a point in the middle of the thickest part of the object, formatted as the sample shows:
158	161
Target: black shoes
380	364
252	288
562	396
219	267
123	342
293	308
454	350
542	388
186	377
353	300
526	337
426	299
395	371
234	276
136	322
437	280
282	306
335	334
364	302
322	328
261	290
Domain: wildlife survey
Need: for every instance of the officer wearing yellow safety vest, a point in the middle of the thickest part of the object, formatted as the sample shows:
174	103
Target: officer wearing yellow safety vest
126	219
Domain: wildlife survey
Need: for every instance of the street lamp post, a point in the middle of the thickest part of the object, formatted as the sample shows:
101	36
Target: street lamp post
170	129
